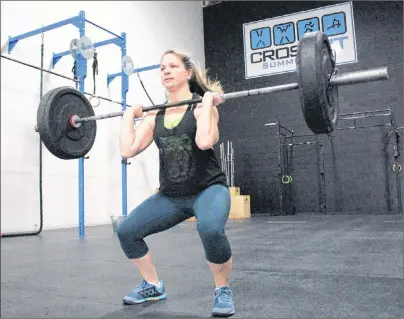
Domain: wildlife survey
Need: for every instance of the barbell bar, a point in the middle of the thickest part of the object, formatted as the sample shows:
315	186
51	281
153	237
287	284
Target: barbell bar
67	123
339	79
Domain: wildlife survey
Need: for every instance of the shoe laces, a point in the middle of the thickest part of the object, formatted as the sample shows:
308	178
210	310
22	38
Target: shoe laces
223	294
142	285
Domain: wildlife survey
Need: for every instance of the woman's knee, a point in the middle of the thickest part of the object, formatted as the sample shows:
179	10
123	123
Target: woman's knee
133	225
131	240
215	242
210	230
122	231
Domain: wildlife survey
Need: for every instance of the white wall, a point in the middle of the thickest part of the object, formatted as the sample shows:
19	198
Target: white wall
151	28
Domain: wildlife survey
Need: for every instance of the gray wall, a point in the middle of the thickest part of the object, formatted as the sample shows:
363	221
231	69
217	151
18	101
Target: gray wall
357	164
151	28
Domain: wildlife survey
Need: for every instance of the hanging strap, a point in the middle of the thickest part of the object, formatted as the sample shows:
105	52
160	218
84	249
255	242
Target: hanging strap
95	69
95	100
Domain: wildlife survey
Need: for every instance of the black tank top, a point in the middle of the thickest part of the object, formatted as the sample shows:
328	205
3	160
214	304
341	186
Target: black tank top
185	169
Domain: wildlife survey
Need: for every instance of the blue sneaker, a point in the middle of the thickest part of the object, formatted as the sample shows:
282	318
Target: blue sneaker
145	292
223	304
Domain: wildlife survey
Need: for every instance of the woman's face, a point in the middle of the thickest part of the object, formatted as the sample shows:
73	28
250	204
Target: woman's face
173	73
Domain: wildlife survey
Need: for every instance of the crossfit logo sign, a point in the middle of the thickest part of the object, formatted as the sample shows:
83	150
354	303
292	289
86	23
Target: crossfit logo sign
270	46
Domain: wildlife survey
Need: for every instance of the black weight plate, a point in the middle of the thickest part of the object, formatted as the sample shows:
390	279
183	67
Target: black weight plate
319	100
54	112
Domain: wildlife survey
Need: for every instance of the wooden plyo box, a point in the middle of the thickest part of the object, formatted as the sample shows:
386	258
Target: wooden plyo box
234	191
240	207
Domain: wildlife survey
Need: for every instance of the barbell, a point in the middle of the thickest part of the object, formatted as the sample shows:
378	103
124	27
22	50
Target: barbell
67	124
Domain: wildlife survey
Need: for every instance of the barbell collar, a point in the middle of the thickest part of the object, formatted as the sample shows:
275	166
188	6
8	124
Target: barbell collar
260	91
350	78
77	120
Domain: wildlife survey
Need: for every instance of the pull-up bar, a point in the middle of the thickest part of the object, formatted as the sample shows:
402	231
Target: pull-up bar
96	25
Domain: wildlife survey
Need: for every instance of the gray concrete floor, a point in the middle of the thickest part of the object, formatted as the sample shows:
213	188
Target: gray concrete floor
303	266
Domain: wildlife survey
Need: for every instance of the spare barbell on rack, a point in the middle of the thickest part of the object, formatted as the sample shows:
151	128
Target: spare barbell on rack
67	123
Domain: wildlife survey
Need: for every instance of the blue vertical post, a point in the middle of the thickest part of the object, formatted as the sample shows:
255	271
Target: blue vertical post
81	74
125	88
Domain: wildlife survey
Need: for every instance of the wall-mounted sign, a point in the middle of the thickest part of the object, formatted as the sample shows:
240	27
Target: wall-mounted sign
270	45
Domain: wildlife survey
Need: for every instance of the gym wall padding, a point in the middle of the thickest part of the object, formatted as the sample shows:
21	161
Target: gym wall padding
358	175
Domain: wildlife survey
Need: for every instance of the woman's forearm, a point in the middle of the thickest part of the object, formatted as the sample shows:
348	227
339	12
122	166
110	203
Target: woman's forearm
127	133
207	132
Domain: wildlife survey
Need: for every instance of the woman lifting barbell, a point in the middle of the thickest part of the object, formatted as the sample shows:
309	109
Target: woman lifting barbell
191	180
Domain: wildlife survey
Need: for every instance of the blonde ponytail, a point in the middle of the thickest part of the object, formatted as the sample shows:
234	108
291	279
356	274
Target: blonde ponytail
199	82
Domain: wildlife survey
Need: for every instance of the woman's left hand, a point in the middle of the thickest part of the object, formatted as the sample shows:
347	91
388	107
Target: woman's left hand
212	99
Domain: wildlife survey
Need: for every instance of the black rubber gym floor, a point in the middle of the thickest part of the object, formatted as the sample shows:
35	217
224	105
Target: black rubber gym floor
303	266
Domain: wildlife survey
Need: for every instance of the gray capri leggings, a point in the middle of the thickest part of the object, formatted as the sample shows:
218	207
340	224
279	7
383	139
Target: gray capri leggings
211	208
